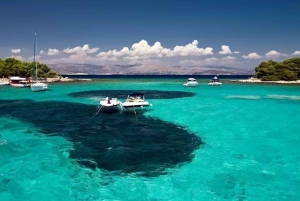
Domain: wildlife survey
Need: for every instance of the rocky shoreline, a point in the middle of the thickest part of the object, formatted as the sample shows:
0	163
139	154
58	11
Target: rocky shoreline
57	79
255	80
66	79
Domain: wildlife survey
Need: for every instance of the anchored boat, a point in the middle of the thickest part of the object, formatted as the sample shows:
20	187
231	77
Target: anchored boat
215	82
135	101
18	82
111	104
191	82
37	86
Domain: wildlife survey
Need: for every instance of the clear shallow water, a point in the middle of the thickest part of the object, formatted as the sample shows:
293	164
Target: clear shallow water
250	151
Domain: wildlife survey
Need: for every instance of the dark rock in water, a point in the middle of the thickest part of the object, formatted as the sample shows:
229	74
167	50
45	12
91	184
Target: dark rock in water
5	181
122	94
3	184
119	142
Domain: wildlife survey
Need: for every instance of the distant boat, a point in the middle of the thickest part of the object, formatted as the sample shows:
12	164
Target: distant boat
215	82
17	81
37	86
191	82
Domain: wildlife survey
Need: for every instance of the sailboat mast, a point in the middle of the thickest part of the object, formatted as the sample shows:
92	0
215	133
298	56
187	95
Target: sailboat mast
34	57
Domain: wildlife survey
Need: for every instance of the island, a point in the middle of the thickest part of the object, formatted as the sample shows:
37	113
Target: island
285	72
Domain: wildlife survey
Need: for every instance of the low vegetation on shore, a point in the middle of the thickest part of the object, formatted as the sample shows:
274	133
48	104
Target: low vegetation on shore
13	67
287	70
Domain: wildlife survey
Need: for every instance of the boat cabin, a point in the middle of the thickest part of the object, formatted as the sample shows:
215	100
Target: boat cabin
136	97
191	80
215	79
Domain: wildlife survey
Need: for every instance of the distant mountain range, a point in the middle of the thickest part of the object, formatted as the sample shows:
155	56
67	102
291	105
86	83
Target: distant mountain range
153	69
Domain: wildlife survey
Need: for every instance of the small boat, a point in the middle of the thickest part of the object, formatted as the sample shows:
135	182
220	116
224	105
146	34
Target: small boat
135	101
18	82
215	82
111	104
37	86
191	82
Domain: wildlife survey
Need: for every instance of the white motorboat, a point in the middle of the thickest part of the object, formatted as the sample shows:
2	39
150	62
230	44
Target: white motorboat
191	82
136	101
37	86
18	82
111	104
215	82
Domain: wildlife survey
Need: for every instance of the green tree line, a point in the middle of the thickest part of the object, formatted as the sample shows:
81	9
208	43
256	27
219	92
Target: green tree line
13	67
287	70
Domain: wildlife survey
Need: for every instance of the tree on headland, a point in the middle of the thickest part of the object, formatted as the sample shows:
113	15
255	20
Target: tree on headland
13	67
288	70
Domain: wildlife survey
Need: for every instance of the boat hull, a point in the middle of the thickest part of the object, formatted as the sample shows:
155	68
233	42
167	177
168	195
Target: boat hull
39	87
191	84
135	105
215	84
113	105
19	85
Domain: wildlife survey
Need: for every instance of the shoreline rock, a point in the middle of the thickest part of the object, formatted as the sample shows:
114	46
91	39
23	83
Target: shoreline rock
65	79
4	80
50	80
255	80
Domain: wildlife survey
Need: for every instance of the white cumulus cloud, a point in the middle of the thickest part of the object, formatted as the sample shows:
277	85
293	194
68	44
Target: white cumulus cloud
212	59
273	54
142	50
190	49
38	57
52	52
225	50
230	61
207	61
78	50
42	52
18	57
252	55
15	50
236	52
296	53
229	58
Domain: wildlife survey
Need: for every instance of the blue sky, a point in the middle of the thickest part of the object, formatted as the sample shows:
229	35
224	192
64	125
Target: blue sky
189	32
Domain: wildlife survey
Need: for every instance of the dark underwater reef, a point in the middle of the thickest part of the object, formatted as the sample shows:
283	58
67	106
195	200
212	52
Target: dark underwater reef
118	142
122	94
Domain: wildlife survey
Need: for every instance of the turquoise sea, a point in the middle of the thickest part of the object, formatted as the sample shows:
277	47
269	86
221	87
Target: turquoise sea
235	142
